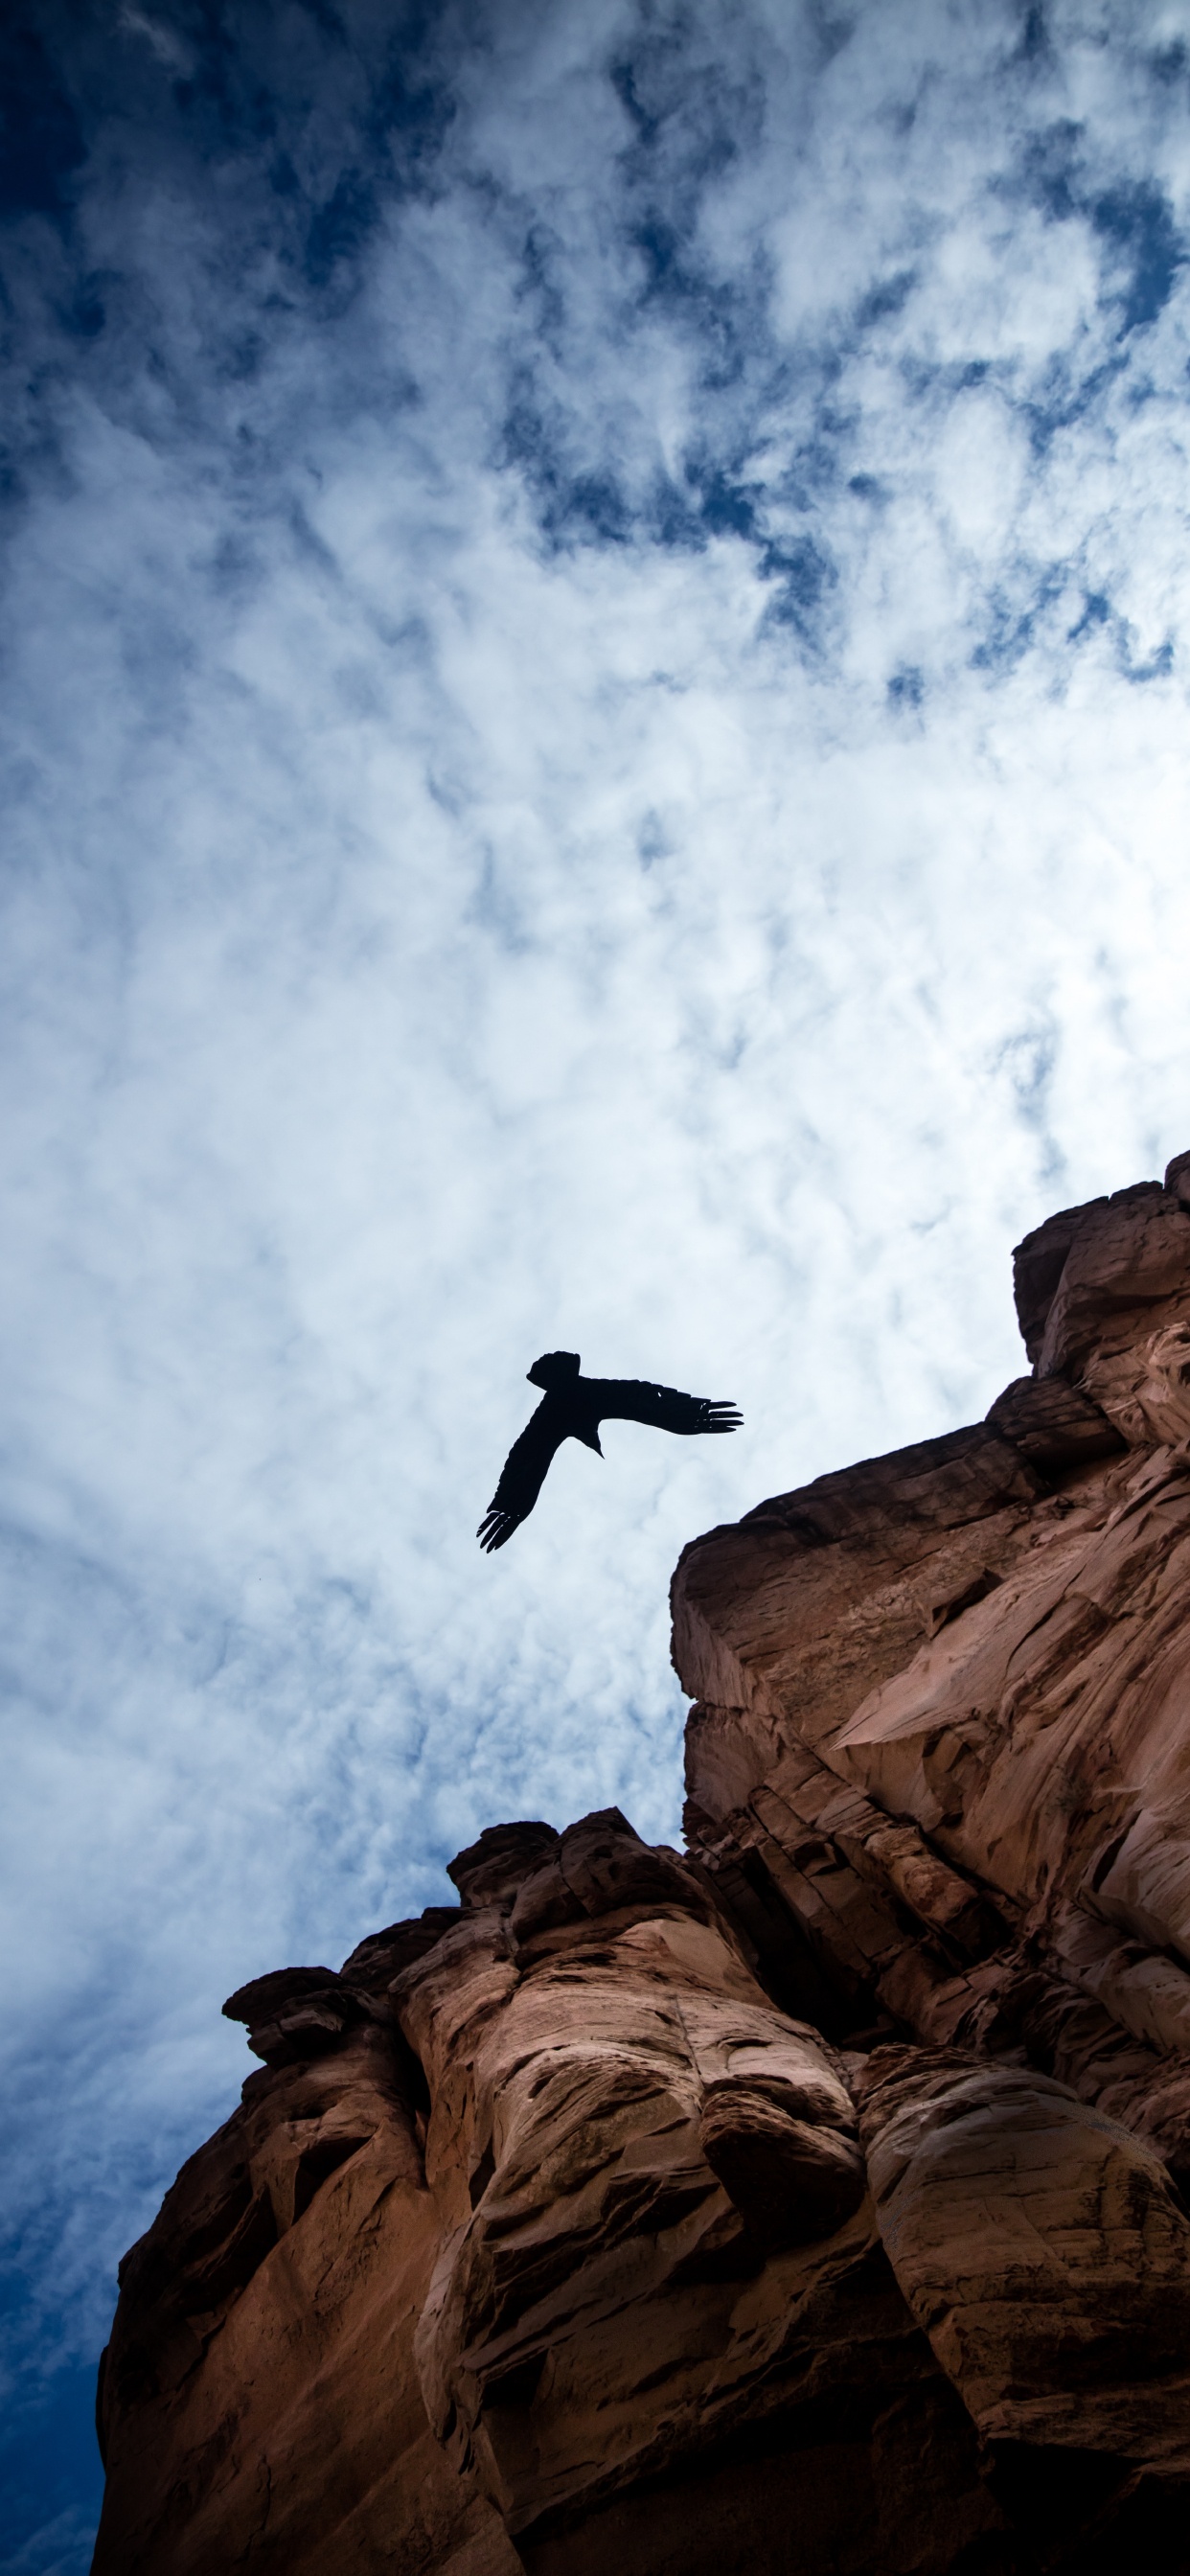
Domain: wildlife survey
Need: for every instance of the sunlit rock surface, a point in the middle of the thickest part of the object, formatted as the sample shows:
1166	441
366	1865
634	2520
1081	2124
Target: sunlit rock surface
810	2203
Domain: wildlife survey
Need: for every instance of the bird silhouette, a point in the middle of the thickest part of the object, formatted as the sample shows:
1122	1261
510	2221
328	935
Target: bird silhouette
572	1408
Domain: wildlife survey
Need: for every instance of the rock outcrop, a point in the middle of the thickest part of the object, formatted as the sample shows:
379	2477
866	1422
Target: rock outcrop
811	2204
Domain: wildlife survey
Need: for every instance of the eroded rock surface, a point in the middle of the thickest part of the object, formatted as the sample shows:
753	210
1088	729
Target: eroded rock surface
809	2203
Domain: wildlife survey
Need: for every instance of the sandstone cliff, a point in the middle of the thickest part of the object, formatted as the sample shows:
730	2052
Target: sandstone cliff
811	2204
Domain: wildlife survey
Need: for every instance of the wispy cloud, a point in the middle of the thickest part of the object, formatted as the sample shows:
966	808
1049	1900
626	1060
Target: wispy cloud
594	684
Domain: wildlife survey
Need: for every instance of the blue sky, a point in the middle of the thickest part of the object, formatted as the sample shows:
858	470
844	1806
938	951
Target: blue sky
594	738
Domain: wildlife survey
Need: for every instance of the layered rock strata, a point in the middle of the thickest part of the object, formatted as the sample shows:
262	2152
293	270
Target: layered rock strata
810	2203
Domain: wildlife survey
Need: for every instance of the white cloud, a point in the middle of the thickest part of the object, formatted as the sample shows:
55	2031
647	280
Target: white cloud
492	867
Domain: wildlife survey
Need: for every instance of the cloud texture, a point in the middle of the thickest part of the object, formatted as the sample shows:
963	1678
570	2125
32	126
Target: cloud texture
594	735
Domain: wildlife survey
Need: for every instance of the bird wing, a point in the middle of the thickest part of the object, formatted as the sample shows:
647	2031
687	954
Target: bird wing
636	1399
524	1474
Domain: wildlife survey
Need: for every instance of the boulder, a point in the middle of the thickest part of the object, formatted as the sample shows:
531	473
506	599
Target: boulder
810	2202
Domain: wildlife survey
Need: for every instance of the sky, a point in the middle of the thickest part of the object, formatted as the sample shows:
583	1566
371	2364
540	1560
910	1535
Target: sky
593	713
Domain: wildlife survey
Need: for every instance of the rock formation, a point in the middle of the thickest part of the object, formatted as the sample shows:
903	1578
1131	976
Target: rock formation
811	2205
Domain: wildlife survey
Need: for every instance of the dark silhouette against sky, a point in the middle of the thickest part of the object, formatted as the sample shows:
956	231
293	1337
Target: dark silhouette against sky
572	1408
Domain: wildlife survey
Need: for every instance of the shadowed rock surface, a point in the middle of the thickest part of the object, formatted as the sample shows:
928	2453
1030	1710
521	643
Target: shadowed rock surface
811	2204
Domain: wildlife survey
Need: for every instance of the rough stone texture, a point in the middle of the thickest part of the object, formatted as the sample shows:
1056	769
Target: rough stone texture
810	2205
562	2255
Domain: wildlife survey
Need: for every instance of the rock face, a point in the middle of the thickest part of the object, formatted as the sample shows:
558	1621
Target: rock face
811	2205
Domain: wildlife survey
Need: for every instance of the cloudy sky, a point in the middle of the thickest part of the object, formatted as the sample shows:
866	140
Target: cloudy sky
594	672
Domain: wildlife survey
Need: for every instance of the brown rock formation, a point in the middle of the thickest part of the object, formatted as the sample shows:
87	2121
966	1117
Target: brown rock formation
811	2204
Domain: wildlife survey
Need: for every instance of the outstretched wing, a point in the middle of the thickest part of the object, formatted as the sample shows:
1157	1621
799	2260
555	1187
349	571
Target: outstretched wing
635	1399
524	1474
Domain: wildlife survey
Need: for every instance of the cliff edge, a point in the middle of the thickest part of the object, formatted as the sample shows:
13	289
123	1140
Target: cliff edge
813	2203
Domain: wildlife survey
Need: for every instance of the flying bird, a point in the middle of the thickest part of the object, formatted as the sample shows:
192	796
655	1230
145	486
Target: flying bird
572	1408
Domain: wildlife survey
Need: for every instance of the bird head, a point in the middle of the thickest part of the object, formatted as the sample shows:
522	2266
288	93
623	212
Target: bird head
555	1369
